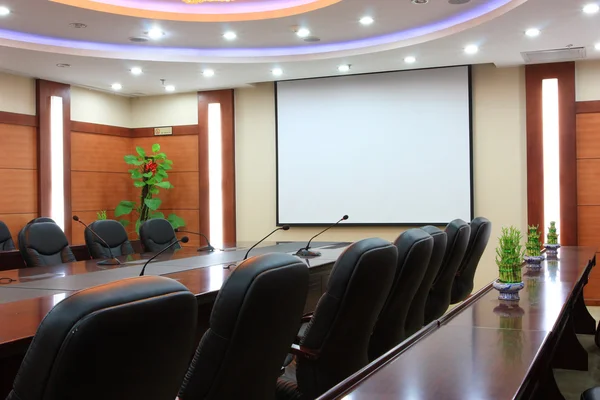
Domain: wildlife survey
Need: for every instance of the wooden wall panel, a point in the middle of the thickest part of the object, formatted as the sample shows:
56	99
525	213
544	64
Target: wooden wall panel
19	192
588	136
589	235
588	182
15	222
99	153
19	147
183	150
184	195
192	220
94	191
177	131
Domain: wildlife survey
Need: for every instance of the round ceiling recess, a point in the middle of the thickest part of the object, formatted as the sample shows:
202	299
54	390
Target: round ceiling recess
138	39
458	2
419	1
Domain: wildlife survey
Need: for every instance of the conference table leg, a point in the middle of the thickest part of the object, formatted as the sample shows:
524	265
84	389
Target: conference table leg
585	324
569	353
548	389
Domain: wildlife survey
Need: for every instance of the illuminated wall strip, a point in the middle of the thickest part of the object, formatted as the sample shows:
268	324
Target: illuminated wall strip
57	184
551	153
215	173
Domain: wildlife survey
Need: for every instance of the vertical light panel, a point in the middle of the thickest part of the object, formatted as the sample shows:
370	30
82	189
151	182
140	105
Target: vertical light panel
215	173
57	184
551	153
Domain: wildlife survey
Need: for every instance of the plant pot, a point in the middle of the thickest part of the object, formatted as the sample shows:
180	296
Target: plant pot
508	291
534	263
552	250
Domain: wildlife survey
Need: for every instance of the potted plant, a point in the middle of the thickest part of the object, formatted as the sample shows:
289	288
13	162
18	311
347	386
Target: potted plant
552	244
101	215
509	258
533	254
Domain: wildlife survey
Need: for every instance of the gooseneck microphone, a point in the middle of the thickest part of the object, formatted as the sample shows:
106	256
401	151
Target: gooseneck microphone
281	228
208	246
112	260
184	239
305	252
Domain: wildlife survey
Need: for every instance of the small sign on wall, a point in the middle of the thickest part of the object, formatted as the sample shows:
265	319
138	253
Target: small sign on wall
165	130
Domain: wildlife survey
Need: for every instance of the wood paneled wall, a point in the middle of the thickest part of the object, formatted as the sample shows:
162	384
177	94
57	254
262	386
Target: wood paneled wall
19	170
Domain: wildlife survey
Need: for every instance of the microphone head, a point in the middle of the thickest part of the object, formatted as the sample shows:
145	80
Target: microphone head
184	239
75	218
345	217
285	227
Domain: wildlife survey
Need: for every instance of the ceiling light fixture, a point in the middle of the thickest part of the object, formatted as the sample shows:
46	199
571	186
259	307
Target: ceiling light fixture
208	73
303	32
419	1
471	49
77	25
277	71
63	65
155	33
116	86
410	60
4	11
344	68
170	88
597	46
533	32
366	20
136	71
230	35
591	8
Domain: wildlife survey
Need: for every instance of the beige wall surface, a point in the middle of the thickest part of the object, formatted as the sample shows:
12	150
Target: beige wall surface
100	108
167	110
499	163
587	80
17	94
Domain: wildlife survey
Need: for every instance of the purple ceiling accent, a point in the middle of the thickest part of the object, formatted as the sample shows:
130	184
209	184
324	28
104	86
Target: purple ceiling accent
237	7
395	37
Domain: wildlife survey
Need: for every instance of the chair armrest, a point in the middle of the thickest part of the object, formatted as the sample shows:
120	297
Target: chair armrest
307	317
304	352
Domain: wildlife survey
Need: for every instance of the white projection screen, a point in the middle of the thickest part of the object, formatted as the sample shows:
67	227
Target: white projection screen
389	148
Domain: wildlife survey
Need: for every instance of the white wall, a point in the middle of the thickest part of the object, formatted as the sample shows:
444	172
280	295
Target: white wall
587	80
167	110
100	108
499	163
17	94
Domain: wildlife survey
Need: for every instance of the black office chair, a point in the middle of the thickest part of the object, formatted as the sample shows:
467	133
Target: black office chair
6	241
129	339
438	300
416	314
414	252
591	394
113	234
481	229
44	244
21	234
335	342
252	325
156	234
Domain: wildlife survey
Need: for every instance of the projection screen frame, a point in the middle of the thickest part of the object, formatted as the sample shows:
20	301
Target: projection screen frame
365	224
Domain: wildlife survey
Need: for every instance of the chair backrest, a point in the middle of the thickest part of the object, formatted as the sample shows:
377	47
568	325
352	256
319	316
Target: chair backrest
481	229
44	244
21	234
253	323
438	301
113	234
156	234
129	339
414	252
342	323
416	314
6	241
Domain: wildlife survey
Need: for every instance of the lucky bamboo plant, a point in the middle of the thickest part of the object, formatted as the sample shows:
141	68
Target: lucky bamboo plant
509	255
552	237
533	245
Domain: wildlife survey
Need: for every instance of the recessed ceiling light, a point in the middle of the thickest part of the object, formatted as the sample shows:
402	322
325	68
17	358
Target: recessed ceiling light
208	73
4	11
155	33
116	86
597	46
303	32
366	20
170	88
77	25
410	60
533	32
471	49
591	8
63	65
277	71
229	35
344	68
419	1
136	71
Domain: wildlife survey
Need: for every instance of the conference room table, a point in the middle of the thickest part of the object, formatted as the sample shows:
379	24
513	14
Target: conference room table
489	349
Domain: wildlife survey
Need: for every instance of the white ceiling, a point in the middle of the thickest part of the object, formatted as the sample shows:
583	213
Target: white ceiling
501	40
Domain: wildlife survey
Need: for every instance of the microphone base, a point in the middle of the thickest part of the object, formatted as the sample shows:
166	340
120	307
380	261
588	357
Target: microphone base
110	261
207	248
307	253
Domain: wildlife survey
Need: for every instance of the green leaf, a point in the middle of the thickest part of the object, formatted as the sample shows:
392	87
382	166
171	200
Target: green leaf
125	207
162	174
153	204
161	156
164	185
153	190
157	215
137	226
124	222
140	151
176	221
151	181
147	175
155	147
136	174
139	184
170	162
132	160
166	166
